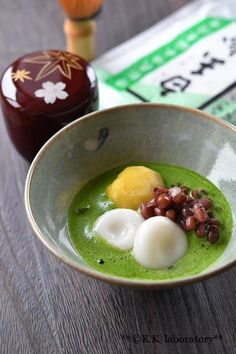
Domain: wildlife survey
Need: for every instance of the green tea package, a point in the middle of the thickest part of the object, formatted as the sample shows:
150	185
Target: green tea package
187	59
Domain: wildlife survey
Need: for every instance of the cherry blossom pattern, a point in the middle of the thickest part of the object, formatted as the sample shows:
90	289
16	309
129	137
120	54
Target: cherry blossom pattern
50	92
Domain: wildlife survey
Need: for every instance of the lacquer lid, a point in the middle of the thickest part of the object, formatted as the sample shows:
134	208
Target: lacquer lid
48	82
41	93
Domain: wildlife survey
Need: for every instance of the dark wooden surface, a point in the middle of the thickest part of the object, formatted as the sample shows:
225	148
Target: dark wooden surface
46	307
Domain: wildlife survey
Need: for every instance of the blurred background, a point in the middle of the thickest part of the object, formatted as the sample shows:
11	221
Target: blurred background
29	25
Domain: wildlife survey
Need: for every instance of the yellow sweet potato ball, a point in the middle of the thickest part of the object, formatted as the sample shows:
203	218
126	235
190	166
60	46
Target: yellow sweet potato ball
133	186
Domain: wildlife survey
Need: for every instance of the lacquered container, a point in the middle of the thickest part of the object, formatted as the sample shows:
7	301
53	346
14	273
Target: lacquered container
41	93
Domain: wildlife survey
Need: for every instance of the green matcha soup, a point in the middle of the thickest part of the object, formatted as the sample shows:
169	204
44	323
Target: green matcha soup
91	202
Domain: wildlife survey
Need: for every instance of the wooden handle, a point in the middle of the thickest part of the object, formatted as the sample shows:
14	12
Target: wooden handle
80	37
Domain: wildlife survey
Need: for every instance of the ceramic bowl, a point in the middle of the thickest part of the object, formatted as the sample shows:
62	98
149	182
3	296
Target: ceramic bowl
103	140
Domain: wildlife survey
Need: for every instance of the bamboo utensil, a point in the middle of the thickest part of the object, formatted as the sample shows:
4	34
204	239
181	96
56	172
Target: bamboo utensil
80	27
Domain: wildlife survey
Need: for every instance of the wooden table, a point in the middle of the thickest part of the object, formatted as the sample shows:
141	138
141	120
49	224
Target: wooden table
46	307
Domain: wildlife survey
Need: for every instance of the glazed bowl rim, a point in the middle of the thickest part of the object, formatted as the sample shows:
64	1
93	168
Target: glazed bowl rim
121	281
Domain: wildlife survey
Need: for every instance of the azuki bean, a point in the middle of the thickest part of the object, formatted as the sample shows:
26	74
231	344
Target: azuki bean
171	214
187	212
214	228
179	198
152	203
191	223
201	230
213	237
159	212
195	194
198	193
206	203
163	200
200	212
159	190
214	222
174	190
146	211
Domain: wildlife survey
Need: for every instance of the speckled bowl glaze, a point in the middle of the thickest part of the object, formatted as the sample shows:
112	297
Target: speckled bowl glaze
128	134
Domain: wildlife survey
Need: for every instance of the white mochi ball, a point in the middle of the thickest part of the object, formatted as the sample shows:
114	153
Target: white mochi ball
159	243
118	227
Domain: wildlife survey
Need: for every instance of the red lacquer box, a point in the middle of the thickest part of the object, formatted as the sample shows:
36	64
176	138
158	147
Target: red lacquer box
41	93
